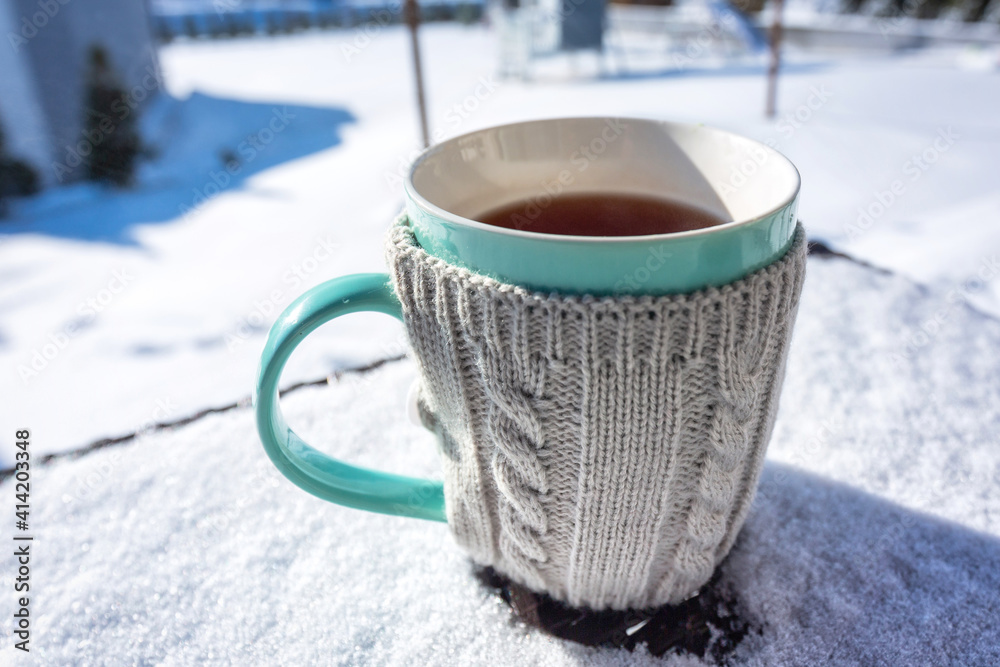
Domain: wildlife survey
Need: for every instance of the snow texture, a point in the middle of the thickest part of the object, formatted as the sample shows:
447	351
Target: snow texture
875	538
201	289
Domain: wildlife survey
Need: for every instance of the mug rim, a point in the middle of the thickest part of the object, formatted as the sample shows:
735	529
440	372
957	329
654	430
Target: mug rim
443	214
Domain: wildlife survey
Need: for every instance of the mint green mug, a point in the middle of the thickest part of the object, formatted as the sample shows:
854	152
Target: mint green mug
452	183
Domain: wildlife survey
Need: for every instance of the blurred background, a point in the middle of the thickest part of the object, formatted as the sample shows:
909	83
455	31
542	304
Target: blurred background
174	173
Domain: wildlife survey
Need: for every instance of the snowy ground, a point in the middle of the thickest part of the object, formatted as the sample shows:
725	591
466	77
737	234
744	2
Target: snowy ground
120	310
875	537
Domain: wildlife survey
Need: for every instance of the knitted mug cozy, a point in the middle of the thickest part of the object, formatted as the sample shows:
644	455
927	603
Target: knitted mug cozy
604	451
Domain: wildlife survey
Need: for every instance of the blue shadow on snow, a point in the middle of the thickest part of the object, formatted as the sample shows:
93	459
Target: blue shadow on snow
192	142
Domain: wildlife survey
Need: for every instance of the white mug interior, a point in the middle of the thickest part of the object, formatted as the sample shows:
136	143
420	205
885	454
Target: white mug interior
732	177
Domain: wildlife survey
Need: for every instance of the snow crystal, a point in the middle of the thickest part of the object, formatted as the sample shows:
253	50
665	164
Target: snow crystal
875	538
202	289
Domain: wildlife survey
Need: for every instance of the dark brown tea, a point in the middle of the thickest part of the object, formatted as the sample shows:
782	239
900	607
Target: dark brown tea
600	215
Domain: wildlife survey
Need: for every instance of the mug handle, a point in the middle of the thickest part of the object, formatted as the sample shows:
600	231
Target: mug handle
312	470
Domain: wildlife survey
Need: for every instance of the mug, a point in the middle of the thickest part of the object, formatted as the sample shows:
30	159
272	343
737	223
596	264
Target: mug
602	403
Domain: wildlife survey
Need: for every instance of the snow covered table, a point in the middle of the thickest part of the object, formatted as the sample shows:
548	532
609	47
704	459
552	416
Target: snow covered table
875	538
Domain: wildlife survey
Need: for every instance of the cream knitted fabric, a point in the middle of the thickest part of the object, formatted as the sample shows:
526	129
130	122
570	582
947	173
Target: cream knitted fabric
602	450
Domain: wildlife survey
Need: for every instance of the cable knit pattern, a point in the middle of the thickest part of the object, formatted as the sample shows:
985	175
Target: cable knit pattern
602	450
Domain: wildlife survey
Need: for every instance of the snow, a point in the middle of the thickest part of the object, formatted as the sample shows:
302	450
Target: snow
876	534
196	291
875	538
200	276
19	105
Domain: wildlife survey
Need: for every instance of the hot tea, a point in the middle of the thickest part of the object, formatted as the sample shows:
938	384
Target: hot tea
601	215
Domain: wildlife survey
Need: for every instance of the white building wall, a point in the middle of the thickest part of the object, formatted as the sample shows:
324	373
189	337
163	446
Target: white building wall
24	124
50	54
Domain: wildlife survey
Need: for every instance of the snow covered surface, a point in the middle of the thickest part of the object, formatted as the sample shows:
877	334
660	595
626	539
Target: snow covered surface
875	537
124	309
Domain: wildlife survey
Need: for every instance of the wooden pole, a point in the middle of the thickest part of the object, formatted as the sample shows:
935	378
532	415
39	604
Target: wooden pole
412	16
772	70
